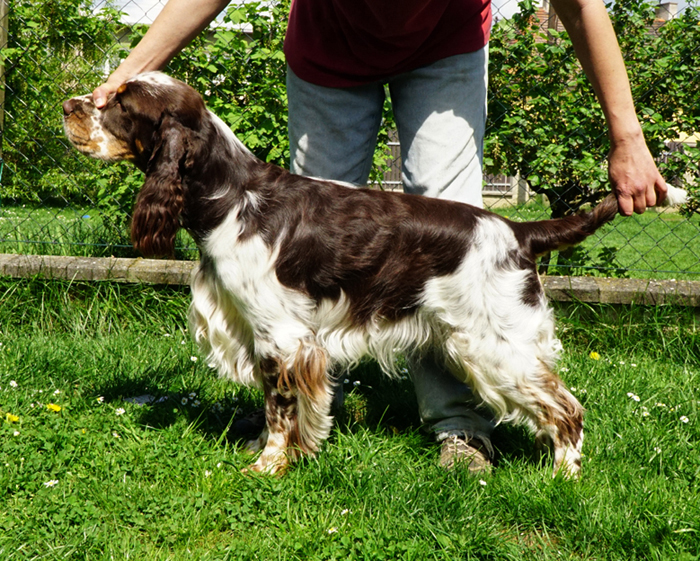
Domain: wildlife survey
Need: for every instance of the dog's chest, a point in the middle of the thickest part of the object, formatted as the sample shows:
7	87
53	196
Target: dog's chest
244	270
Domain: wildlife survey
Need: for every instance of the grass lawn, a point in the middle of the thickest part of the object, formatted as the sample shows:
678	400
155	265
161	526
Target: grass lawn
81	232
86	473
655	245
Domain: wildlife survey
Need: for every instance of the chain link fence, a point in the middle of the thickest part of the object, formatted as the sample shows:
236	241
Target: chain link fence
544	155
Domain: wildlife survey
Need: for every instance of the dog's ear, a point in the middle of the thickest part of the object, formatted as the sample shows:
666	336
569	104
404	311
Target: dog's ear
156	217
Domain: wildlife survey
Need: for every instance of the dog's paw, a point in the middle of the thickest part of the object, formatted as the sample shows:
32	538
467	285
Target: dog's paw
277	466
567	463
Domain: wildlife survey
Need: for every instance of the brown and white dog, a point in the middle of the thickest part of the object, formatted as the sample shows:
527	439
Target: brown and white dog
301	276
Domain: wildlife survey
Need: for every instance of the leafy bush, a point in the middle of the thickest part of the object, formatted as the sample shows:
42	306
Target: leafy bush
545	123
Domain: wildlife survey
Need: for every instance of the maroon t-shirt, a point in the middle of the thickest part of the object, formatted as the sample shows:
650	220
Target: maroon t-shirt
343	43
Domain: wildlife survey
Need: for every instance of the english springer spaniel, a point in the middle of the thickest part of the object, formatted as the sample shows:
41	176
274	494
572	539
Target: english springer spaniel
300	276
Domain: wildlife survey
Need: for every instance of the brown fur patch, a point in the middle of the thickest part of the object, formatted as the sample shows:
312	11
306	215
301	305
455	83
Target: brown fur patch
567	416
309	372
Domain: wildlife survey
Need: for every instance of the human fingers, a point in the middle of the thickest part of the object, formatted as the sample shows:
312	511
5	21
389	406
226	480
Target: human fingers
102	93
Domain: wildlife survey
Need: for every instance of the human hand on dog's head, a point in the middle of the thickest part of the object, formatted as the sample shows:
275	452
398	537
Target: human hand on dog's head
102	93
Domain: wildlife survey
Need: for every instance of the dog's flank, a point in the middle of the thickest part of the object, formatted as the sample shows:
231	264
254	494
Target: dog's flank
300	277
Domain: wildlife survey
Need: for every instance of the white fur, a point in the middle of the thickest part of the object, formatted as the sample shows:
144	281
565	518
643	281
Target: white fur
155	79
675	196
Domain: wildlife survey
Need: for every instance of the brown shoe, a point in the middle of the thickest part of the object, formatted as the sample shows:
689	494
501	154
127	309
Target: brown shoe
470	454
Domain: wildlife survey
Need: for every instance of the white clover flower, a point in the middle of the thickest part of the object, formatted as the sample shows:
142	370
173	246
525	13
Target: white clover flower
13	384
657	449
207	473
482	483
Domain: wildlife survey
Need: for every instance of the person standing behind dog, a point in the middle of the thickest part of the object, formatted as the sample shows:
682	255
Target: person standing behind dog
432	55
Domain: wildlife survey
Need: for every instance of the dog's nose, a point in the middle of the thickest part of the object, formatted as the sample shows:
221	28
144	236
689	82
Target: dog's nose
69	106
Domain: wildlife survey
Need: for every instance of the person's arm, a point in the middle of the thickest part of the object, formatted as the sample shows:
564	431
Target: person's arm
633	173
178	23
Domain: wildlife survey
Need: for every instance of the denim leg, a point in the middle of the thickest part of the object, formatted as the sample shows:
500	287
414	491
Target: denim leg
447	405
440	115
333	131
440	112
332	135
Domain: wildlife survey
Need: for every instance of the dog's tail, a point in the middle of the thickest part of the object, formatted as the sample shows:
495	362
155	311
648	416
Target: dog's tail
552	235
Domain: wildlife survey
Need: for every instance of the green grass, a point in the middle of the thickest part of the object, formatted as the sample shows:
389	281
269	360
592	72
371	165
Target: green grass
106	478
81	232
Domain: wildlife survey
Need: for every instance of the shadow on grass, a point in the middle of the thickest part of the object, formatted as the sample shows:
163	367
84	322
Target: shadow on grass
372	401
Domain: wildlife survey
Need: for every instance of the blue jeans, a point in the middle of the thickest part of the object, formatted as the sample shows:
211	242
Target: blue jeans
440	113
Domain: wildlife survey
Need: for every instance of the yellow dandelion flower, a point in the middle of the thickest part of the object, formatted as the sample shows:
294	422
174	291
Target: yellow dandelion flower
594	355
11	418
53	407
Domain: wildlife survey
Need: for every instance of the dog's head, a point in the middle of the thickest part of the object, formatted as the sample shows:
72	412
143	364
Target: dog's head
155	122
137	120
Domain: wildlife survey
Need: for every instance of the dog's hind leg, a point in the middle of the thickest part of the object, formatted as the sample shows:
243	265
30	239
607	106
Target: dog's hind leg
298	395
520	387
558	417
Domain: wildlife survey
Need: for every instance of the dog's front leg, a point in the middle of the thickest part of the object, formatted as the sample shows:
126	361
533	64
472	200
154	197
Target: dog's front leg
281	417
298	395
